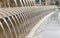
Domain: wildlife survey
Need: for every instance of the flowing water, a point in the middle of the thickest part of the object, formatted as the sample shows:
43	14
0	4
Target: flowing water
21	3
24	2
8	27
3	30
13	17
2	14
16	3
8	2
12	26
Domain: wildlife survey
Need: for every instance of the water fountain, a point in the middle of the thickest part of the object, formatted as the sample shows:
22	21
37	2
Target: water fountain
21	3
2	28
16	3
17	22
10	33
24	2
8	2
8	27
13	18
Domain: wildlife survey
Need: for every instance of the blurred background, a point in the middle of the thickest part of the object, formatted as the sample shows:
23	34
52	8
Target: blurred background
13	3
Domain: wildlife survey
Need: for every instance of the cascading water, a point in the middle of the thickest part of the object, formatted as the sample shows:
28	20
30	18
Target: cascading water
18	22
24	2
16	3
8	2
3	30
15	23
21	3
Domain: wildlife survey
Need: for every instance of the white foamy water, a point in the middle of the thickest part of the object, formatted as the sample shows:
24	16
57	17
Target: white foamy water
52	29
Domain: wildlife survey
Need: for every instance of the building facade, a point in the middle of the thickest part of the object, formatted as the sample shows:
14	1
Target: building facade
43	2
